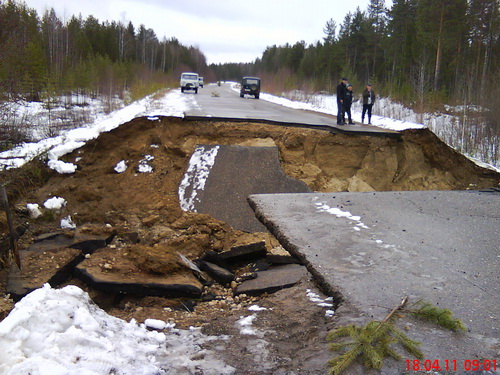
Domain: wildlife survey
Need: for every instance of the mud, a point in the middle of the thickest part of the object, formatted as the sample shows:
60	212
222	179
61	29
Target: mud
150	226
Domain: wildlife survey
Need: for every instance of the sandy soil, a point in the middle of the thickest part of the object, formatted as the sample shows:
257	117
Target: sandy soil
144	211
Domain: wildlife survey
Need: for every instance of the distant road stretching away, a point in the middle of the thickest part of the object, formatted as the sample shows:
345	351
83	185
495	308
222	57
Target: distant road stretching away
222	102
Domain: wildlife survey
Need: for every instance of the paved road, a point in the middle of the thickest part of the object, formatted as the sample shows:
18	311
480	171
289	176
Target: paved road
375	248
223	102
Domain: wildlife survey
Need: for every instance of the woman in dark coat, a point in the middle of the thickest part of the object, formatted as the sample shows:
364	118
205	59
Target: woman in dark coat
348	102
368	101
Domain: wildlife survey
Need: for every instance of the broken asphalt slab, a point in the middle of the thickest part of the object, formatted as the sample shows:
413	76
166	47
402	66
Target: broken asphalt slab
272	280
268	273
244	253
52	258
237	255
372	249
56	257
105	280
237	172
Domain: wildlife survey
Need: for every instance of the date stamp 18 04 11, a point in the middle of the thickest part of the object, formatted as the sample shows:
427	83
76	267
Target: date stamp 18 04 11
451	365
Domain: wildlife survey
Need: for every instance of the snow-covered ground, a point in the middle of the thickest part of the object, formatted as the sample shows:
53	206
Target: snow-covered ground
61	332
171	104
328	104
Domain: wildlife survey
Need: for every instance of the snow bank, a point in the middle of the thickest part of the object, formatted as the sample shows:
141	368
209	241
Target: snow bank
62	332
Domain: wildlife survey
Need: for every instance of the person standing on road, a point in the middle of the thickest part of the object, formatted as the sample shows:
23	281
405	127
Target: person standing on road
348	102
341	92
368	101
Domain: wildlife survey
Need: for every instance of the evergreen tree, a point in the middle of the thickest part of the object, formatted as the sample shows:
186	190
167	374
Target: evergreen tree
19	34
484	38
295	56
82	55
330	30
376	25
440	30
353	39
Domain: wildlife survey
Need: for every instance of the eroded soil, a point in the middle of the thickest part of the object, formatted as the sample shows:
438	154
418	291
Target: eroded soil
143	210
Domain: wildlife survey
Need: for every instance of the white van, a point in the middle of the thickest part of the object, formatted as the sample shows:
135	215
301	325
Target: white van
189	81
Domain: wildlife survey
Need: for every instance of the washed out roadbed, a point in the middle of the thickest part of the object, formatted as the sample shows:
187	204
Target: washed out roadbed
150	230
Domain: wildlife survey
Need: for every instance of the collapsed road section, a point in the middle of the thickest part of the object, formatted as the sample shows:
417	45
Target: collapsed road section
125	191
142	204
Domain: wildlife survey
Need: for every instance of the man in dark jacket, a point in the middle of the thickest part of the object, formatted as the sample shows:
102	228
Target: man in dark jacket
341	91
348	102
368	101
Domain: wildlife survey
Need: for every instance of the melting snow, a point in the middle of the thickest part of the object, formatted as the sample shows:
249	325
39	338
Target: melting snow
321	302
55	203
62	332
68	223
200	164
323	207
121	166
34	210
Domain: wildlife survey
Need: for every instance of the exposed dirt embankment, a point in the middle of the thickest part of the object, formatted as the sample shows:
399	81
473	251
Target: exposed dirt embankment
416	161
324	161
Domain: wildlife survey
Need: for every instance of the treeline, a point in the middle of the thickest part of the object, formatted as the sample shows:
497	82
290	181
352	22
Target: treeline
234	71
46	55
418	51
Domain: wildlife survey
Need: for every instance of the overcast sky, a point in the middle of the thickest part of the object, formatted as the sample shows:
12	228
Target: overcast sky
224	30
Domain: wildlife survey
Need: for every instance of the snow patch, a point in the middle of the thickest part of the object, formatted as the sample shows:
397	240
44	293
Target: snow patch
321	302
256	308
55	203
246	325
61	166
121	166
68	223
323	207
34	210
156	324
200	165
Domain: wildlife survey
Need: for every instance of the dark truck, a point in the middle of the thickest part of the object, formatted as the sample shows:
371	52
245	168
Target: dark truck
250	86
